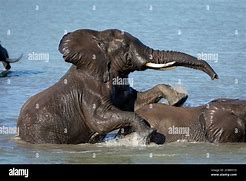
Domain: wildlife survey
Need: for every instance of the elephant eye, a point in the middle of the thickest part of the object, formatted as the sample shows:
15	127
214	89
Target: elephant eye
127	57
129	63
128	60
126	46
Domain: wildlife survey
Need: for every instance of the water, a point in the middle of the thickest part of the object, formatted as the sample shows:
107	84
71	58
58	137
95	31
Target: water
192	26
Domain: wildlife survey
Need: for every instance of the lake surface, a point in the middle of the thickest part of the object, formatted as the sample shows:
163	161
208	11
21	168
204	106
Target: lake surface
214	29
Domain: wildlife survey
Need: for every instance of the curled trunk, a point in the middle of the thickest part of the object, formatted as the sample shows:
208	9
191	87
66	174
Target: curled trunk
169	59
182	59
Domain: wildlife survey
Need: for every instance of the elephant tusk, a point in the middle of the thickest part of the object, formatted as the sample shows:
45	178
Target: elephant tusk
155	65
9	60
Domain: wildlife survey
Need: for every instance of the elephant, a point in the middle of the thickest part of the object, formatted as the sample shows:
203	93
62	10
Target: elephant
87	103
219	121
4	58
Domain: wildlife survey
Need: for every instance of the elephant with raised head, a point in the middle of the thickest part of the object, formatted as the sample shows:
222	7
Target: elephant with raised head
86	103
221	120
4	58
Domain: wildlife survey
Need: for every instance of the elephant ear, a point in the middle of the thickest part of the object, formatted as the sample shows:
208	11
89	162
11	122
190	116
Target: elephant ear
83	49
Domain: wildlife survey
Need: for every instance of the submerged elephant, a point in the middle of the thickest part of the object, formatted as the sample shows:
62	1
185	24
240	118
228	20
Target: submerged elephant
86	103
4	58
221	120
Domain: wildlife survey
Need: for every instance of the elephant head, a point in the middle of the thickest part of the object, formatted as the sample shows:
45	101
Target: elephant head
119	53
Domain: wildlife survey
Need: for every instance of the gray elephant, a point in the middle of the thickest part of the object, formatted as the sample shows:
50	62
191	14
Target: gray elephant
4	58
221	120
86	103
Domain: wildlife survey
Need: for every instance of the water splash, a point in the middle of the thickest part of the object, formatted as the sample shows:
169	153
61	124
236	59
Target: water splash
182	141
133	139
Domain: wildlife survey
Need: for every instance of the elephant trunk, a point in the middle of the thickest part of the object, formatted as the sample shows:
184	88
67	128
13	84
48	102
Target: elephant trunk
168	59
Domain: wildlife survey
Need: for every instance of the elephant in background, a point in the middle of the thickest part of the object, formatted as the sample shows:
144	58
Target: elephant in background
221	120
86	104
4	58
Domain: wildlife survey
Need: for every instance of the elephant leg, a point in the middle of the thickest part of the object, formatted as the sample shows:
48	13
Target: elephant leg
154	94
112	119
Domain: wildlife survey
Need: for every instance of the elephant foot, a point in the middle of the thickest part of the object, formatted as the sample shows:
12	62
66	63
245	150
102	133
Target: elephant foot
144	137
158	138
137	138
178	100
172	95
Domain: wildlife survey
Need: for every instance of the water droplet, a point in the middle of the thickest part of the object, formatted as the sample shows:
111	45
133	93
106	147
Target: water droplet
150	7
94	7
94	106
37	155
179	32
94	155
151	155
37	106
207	155
236	32
94	57
236	81
150	56
236	130
122	130
8	32
37	7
